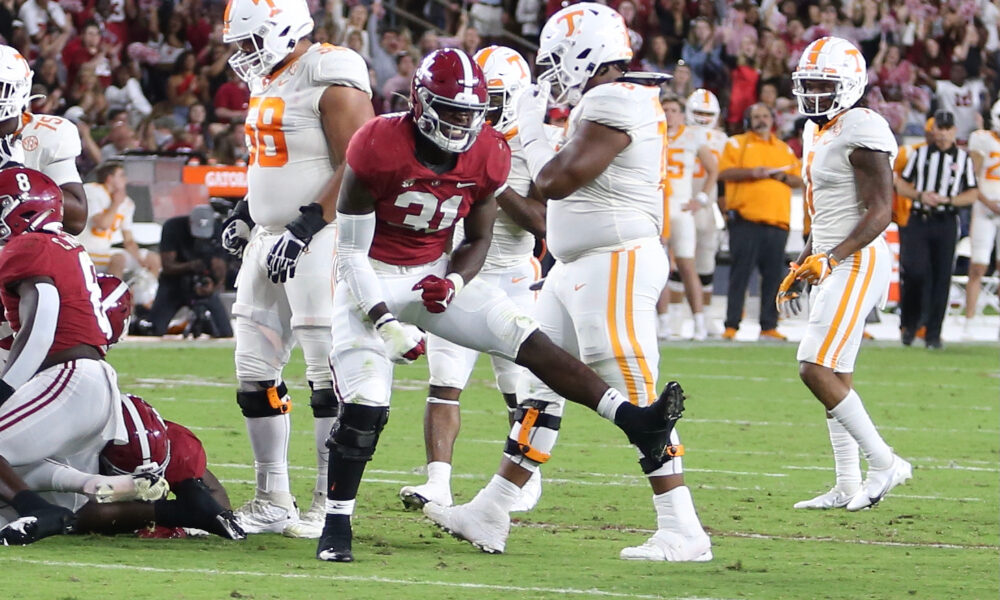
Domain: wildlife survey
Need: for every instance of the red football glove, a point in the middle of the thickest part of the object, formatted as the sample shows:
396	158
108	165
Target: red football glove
437	292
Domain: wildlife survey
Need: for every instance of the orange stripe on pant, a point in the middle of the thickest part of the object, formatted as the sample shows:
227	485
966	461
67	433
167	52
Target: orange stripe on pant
637	351
631	383
845	300
857	305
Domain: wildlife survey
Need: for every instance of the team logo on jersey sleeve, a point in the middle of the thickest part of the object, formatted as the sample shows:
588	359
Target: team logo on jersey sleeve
30	143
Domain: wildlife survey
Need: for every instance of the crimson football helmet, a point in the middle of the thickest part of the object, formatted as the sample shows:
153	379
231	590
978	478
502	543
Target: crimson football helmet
29	201
148	447
449	81
116	300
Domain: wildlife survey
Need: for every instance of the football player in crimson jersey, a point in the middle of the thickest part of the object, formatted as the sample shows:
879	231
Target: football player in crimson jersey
604	217
47	143
58	395
306	102
395	228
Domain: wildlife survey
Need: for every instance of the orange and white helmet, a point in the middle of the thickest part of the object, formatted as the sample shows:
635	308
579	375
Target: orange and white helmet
15	83
702	108
830	59
507	74
995	116
575	42
265	32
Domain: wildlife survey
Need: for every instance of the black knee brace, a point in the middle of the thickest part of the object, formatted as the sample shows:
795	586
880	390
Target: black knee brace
355	432
324	402
674	276
268	401
706	280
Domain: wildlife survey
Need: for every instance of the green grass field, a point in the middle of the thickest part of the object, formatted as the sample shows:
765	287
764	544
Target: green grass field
756	443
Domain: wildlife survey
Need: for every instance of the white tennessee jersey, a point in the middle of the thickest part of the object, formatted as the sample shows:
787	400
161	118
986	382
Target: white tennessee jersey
289	161
512	244
986	143
625	202
50	144
831	192
716	142
682	164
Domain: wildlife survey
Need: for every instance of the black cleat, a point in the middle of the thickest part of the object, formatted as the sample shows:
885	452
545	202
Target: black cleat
335	541
42	523
202	511
649	428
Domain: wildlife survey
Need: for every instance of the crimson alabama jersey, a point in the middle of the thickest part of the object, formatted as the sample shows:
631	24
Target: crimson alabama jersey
187	455
61	258
416	208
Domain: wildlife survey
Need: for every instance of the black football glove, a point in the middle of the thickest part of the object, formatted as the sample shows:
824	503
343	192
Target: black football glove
236	229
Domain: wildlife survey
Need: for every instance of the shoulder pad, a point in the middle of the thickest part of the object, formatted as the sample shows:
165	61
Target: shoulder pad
56	137
623	106
336	65
868	129
979	140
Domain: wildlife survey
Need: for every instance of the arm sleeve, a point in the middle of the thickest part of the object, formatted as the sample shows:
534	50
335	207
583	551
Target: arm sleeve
40	337
354	239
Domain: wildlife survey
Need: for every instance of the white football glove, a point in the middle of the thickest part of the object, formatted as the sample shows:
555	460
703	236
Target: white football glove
531	104
404	343
236	229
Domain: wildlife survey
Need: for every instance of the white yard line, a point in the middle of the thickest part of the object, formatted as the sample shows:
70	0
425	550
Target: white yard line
349	578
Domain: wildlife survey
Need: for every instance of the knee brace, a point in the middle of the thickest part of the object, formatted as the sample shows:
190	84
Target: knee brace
706	280
674	283
267	401
355	432
536	427
323	402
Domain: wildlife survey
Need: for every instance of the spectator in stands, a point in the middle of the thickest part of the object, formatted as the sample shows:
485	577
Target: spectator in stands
383	46
125	93
88	94
230	146
214	60
88	48
735	30
400	82
657	56
681	85
527	14
185	87
963	97
759	171
784	109
702	56
121	138
109	221
939	177
487	17
232	100
674	26
41	17
774	63
357	19
193	271
795	39
744	76
47	74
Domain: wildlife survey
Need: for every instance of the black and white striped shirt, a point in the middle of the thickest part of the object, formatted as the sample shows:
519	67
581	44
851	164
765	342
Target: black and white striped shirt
947	172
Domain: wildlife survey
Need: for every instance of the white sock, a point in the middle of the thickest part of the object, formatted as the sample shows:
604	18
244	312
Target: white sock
675	512
609	404
846	460
269	441
439	474
321	432
501	492
663	324
340	507
853	416
699	321
675	311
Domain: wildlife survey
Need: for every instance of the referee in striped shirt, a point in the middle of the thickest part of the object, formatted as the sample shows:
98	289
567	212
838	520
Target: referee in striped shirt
940	178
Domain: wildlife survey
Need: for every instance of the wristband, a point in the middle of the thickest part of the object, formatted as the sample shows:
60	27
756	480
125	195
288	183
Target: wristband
457	280
386	318
309	223
831	260
701	198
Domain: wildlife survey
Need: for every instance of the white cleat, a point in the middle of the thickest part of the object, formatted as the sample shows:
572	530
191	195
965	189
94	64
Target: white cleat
268	514
414	497
144	487
715	328
835	498
671	546
879	482
310	523
530	494
700	334
484	525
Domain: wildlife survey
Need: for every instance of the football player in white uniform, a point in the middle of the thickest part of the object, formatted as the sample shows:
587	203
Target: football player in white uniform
510	265
306	102
604	217
686	148
702	110
984	232
847	169
46	143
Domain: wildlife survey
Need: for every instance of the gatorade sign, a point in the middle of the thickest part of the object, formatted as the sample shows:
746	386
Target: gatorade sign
220	181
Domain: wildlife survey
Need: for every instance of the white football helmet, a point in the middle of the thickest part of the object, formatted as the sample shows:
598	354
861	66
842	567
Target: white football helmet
265	32
702	108
830	59
507	74
575	42
995	116
15	83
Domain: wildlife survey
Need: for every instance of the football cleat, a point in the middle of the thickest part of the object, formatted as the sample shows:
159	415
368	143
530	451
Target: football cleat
672	547
650	427
335	541
204	512
879	482
414	497
835	498
310	523
42	523
268	513
531	493
729	333
482	524
772	335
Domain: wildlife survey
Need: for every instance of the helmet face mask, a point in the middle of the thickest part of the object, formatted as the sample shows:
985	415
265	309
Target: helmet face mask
15	84
702	108
448	100
264	33
830	78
